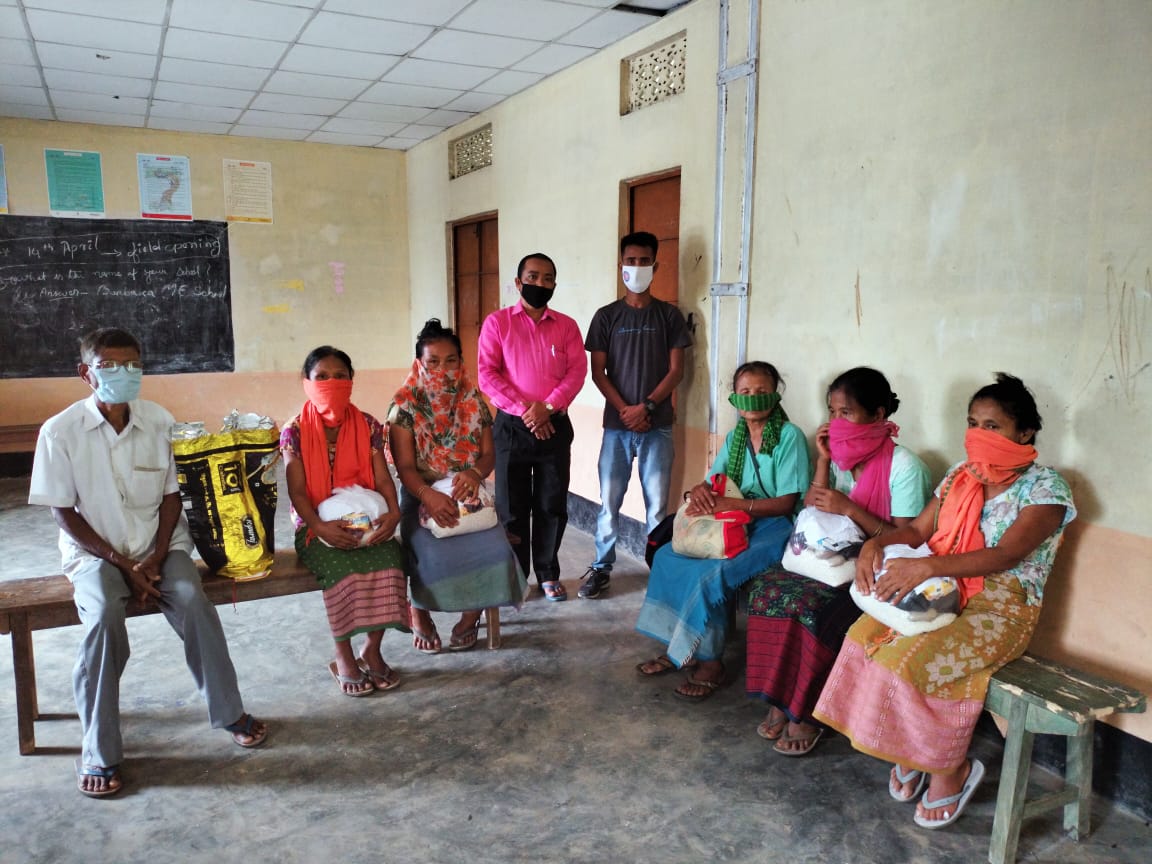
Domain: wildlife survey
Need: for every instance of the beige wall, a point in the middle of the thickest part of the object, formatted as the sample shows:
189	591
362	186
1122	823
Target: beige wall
560	151
982	173
332	204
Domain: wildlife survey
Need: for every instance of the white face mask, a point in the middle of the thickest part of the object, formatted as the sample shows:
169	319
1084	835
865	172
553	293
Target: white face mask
637	279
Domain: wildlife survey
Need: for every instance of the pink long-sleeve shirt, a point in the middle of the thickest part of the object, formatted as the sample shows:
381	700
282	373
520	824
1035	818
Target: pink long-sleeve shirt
523	361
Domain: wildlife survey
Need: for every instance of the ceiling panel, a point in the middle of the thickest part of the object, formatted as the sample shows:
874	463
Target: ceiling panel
102	62
214	113
429	74
63	79
101	33
212	74
452	46
328	86
434	12
239	18
26	76
146	11
74	115
335	61
223	96
363	34
529	19
373	73
221	48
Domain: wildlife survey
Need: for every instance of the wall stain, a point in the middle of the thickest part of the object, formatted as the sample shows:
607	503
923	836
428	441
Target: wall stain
859	306
1127	311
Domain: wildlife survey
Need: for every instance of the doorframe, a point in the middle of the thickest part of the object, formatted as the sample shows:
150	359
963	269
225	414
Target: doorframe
623	208
450	254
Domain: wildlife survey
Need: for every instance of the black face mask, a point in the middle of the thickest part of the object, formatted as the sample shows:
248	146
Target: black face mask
536	296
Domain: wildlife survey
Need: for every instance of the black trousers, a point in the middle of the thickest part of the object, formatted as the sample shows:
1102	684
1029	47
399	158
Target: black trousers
532	490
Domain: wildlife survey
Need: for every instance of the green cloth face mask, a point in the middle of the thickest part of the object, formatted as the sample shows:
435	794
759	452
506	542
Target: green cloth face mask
754	401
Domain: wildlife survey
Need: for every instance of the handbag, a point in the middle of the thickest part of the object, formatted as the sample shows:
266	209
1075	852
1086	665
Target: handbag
717	535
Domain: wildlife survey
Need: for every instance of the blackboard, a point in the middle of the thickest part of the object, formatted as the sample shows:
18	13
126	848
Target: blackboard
166	283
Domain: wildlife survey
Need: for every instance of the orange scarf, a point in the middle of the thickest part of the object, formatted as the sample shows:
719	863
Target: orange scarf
352	464
992	459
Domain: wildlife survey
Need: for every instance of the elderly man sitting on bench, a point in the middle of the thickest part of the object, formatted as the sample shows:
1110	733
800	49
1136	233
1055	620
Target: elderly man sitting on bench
104	465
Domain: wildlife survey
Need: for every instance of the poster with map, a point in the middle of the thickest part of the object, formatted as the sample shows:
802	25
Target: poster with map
165	187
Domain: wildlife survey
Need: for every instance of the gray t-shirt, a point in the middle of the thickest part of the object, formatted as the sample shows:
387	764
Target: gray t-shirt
637	342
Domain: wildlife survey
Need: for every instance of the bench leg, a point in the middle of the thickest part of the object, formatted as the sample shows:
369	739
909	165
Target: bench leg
1078	773
492	622
24	670
1013	786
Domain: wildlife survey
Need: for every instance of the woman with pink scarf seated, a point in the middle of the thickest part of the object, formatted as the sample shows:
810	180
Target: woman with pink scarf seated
796	624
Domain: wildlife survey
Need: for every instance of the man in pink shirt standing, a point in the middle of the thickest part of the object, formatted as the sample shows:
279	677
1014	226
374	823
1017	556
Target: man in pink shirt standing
531	366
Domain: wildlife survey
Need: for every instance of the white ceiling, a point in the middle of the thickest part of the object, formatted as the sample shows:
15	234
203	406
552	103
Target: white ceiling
372	73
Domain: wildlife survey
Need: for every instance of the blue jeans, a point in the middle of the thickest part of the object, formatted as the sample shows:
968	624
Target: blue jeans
653	453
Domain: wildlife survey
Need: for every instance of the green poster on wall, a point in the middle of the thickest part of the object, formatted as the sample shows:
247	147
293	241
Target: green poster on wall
75	185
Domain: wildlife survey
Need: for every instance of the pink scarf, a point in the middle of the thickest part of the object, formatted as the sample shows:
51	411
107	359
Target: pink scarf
871	444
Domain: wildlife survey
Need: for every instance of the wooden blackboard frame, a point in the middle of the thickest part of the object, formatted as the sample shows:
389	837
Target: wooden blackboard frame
167	283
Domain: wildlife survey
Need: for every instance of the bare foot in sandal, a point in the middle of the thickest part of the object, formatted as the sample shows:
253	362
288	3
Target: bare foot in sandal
703	682
773	725
661	665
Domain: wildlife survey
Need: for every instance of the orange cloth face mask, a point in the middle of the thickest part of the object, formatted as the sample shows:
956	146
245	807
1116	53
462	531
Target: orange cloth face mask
331	397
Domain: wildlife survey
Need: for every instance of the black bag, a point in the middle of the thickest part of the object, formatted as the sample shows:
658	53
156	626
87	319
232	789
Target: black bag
660	535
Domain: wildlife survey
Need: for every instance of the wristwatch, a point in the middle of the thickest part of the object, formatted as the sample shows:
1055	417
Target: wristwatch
649	406
551	408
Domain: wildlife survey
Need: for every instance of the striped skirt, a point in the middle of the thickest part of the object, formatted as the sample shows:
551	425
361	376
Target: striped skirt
915	700
364	589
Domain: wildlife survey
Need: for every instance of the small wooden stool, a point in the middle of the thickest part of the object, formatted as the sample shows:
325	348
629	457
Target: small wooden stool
1041	697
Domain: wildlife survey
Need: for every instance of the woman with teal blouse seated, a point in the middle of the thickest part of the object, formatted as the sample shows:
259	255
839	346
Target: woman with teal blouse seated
688	600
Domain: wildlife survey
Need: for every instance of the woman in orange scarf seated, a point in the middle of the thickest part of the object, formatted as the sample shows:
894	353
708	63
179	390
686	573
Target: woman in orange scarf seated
994	525
332	444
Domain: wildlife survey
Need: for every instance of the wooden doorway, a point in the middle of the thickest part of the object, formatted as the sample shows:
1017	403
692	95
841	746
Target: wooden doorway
653	205
475	279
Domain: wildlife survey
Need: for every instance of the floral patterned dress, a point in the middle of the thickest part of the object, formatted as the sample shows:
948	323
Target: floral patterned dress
915	700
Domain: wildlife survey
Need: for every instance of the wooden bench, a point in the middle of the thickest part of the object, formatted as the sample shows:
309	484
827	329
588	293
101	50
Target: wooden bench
19	439
45	603
1041	697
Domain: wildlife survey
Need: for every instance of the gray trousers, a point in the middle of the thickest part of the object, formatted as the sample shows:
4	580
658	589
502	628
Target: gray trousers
101	593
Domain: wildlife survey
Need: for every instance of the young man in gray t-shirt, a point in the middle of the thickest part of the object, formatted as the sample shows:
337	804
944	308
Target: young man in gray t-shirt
637	345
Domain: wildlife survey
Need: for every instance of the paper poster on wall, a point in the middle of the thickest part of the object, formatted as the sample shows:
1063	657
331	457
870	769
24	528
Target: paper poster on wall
75	185
165	186
3	183
247	191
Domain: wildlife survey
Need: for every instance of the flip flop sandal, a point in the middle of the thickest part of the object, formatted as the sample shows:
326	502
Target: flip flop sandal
381	681
246	726
554	590
809	741
664	662
359	680
960	799
465	641
109	774
434	640
901	779
710	687
772	731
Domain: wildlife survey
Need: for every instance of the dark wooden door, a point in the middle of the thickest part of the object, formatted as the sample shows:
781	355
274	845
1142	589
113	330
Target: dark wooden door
476	277
654	206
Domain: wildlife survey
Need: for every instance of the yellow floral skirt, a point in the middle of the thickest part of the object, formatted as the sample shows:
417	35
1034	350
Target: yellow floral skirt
915	700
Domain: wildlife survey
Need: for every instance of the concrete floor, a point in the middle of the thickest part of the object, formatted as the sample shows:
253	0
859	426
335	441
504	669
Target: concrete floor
551	749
